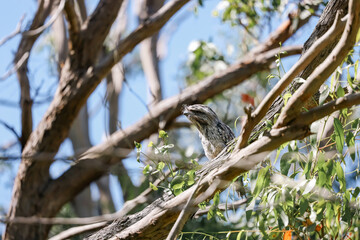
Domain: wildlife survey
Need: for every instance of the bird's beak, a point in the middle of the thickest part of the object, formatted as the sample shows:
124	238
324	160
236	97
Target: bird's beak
184	110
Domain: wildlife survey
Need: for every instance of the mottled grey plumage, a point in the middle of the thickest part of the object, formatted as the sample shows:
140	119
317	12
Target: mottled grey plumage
214	134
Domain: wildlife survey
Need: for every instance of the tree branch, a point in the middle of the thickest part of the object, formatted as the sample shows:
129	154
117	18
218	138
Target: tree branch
152	25
328	108
14	33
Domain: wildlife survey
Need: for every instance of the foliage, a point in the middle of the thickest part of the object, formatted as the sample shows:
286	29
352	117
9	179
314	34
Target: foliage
177	176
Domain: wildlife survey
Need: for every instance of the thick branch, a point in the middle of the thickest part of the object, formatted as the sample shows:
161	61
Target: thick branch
74	21
148	53
26	43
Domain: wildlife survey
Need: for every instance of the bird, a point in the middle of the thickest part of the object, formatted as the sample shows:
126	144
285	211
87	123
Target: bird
213	133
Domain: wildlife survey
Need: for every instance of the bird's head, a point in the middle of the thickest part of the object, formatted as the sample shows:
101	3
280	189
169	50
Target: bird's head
200	115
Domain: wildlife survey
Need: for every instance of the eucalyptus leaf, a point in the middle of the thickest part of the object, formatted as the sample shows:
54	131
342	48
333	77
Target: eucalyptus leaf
339	135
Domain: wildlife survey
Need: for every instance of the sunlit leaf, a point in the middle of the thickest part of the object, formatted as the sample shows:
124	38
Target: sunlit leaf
261	182
340	176
310	186
153	187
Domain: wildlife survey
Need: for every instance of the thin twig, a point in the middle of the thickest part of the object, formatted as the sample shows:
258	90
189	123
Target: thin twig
18	65
14	33
11	129
68	233
48	24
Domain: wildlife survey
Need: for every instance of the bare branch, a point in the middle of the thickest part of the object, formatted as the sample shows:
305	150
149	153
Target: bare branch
74	21
14	33
148	53
16	67
328	108
11	129
39	30
68	233
325	22
152	25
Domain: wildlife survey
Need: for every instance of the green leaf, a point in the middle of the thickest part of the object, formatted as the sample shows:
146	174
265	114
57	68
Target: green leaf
137	145
261	181
324	94
355	123
160	166
177	183
211	212
248	214
339	135
163	134
286	160
350	142
153	187
216	199
138	150
309	186
340	176
284	218
304	204
220	215
356	192
307	169
191	177
322	178
146	169
340	92
238	237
